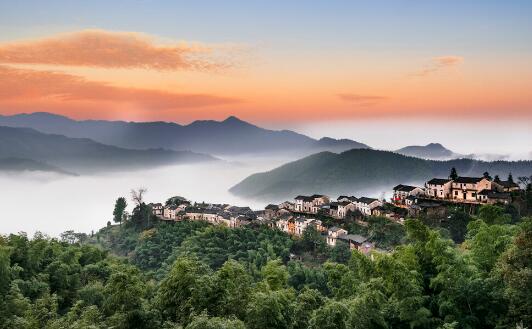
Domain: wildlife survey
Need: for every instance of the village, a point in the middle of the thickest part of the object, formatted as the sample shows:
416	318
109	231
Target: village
294	217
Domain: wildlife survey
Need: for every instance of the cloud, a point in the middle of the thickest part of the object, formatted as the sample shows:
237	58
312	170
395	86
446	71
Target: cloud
105	49
32	86
439	63
362	100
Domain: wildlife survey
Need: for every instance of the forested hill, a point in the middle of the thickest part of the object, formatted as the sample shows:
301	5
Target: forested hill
193	275
362	171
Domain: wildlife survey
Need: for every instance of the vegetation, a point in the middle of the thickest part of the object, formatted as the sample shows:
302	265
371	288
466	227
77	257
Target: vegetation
195	275
361	170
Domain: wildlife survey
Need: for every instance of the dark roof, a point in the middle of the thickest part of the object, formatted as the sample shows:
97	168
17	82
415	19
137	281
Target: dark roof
344	203
353	237
334	228
505	183
342	197
314	196
404	188
366	200
468	180
304	198
272	207
491	194
439	181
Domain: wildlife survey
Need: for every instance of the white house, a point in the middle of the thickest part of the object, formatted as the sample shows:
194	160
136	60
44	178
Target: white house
401	192
439	188
365	205
332	235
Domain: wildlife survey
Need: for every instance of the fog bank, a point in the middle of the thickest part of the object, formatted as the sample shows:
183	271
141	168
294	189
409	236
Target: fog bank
52	203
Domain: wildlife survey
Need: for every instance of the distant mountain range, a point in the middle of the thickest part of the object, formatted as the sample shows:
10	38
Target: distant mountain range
429	151
21	165
82	154
361	172
231	136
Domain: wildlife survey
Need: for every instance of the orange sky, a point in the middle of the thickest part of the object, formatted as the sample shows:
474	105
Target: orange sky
134	76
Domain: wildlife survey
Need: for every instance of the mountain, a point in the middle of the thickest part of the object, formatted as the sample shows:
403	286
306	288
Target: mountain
231	136
20	165
361	172
429	151
82	154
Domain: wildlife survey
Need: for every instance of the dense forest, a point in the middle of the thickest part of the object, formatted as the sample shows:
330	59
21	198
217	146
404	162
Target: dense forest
147	274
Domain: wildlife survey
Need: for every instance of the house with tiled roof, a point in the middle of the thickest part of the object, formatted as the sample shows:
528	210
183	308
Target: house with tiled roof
439	188
365	205
402	192
467	188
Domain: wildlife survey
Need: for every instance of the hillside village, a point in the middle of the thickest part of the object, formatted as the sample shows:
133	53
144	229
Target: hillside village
294	217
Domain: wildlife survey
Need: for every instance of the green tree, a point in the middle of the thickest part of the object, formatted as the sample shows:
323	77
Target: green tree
272	310
514	268
454	174
333	315
204	322
175	291
120	207
275	275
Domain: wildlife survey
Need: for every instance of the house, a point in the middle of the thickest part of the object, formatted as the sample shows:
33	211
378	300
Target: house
287	205
356	242
505	186
492	196
331	209
467	188
439	188
365	205
301	225
401	192
303	203
310	204
194	213
427	207
317	224
170	212
270	211
344	207
239	221
333	233
157	208
244	211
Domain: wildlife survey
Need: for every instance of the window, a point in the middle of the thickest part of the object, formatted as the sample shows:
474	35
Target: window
455	192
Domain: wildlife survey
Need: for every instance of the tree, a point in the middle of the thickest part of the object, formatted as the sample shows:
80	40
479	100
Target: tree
523	181
332	315
454	174
275	275
118	212
486	175
510	178
514	269
138	195
272	310
496	179
174	295
204	322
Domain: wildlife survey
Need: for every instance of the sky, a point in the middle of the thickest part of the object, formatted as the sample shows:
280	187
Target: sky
275	63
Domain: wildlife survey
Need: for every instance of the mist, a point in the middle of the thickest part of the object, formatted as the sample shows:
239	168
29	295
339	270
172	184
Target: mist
54	203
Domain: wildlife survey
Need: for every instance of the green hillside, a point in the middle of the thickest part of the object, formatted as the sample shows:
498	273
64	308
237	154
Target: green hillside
361	171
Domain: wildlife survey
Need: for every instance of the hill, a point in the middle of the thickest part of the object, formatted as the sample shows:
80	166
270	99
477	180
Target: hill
82	154
359	172
231	136
20	165
429	151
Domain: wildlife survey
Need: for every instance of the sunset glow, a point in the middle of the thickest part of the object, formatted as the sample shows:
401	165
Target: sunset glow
117	72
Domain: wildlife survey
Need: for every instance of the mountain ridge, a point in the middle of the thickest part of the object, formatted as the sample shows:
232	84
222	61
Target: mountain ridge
84	154
230	136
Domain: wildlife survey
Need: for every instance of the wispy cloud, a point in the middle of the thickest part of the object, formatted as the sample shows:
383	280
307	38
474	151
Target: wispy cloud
439	63
105	49
29	86
362	100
